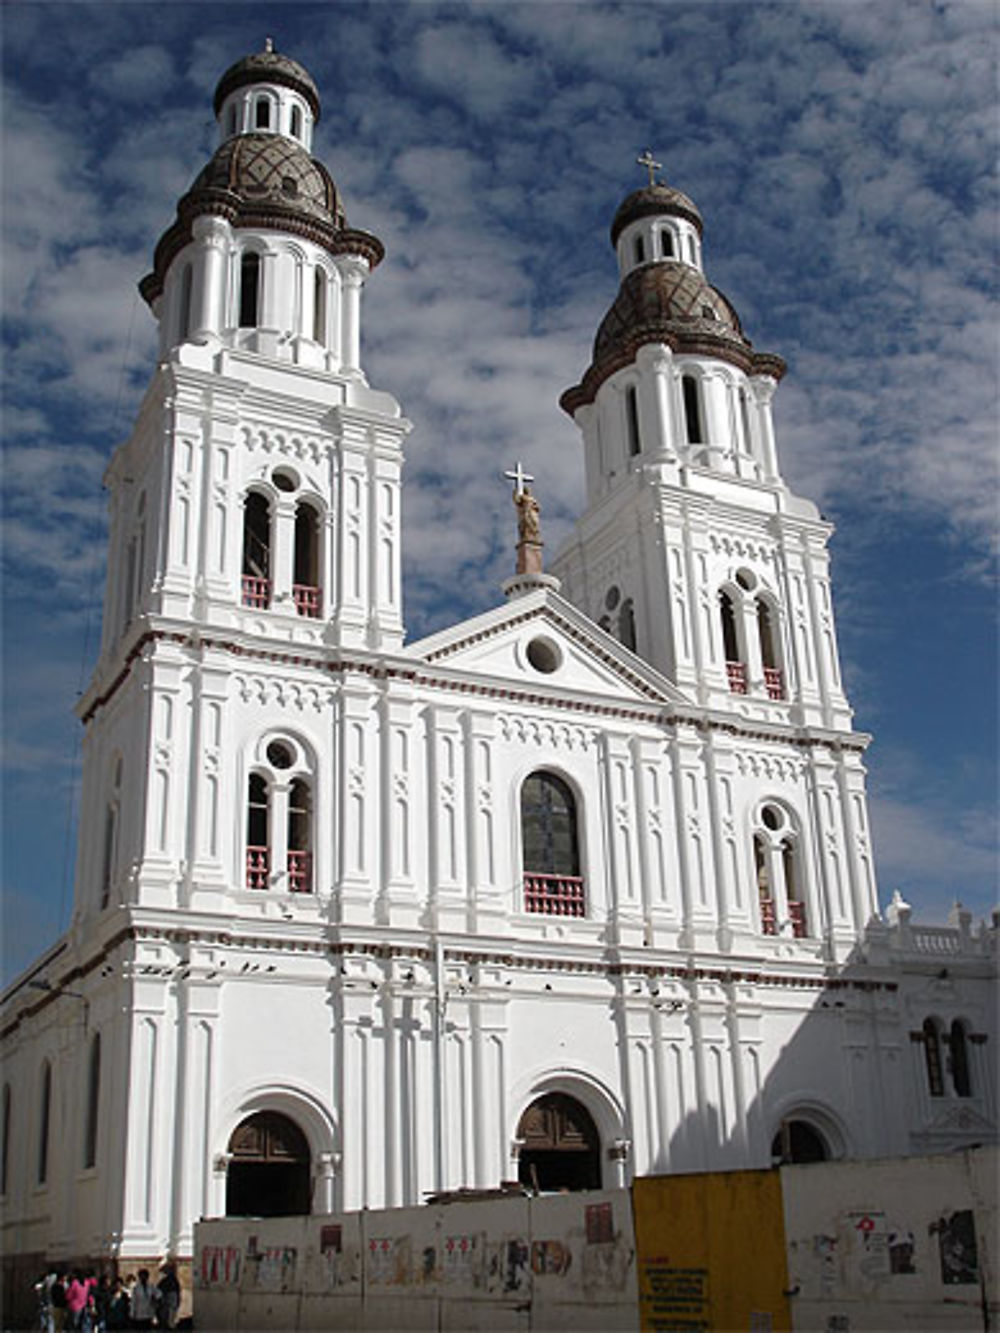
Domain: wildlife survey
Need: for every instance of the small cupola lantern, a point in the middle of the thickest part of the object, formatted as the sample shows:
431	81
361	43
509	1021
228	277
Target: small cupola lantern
656	223
267	93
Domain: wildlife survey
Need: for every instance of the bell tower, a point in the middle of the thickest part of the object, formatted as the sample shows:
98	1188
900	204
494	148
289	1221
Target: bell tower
692	549
255	508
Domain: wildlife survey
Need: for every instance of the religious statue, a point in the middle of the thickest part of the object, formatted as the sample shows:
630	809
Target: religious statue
529	532
528	509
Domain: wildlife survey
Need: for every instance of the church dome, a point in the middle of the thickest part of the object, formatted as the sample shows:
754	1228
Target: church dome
652	201
268	171
268	66
672	303
269	181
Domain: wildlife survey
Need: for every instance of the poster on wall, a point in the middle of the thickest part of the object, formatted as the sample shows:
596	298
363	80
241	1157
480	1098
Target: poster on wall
957	1246
869	1257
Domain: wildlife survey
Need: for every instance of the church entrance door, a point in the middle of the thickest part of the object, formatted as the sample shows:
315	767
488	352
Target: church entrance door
560	1148
268	1173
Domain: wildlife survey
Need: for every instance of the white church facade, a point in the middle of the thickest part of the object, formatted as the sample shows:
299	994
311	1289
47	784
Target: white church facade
577	890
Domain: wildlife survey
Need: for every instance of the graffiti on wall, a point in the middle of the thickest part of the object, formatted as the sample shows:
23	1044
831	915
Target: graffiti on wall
220	1266
271	1268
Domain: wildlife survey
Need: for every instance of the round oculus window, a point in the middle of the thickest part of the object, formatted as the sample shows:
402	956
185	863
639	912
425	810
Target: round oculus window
746	579
772	817
611	598
279	755
285	479
544	655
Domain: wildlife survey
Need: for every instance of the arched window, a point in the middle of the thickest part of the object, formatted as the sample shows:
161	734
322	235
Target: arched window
959	1051
773	679
232	121
632	420
735	667
5	1111
626	624
693	424
765	898
932	1058
552	882
184	317
319	306
296	122
639	250
745	420
798	1141
250	289
305	580
44	1117
93	1104
108	853
778	872
258	833
666	244
256	551
262	114
109	846
796	908
279	849
299	837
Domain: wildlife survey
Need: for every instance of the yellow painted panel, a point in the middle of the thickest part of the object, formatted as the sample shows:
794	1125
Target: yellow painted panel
711	1253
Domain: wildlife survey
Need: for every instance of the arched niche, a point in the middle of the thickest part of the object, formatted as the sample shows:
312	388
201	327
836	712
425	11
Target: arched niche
269	1172
560	1147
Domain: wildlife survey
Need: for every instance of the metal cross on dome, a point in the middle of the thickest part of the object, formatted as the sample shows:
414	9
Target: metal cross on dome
650	163
518	477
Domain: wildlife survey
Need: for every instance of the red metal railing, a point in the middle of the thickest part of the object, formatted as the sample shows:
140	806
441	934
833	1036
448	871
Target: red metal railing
258	866
306	600
299	872
768	921
554	895
737	674
256	592
797	916
774	681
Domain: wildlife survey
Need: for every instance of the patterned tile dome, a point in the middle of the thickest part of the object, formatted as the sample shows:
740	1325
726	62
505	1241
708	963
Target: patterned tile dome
672	303
268	181
269	170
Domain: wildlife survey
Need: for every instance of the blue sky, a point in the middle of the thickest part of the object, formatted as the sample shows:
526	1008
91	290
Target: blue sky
843	157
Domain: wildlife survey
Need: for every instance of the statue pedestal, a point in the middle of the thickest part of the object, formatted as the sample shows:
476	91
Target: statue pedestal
520	585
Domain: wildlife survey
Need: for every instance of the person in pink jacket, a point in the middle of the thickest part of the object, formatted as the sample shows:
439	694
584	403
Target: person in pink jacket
77	1298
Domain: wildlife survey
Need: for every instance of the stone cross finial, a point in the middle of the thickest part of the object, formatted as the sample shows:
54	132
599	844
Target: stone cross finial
268	46
650	163
518	477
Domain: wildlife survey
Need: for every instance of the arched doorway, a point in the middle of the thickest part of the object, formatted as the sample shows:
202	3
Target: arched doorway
797	1141
269	1168
560	1145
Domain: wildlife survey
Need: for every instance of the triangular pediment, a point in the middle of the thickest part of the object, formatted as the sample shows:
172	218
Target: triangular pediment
541	641
960	1119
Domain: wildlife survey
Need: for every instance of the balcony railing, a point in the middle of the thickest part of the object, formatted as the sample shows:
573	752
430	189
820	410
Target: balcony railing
768	920
554	895
774	683
737	674
299	872
797	916
306	600
258	867
256	592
